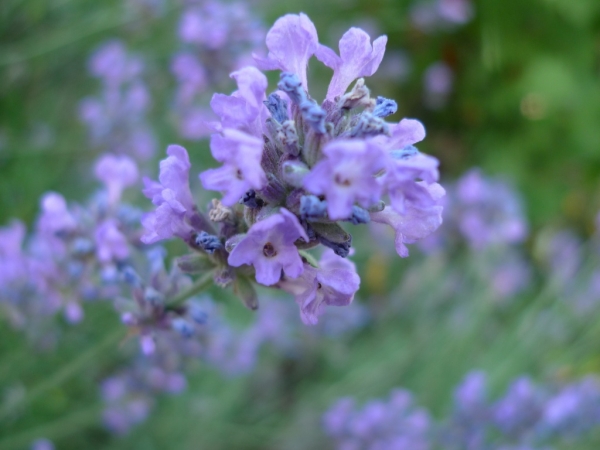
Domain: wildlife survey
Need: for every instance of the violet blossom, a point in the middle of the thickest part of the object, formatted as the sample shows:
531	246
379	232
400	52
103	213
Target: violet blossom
172	198
117	173
269	247
357	59
333	283
528	416
347	176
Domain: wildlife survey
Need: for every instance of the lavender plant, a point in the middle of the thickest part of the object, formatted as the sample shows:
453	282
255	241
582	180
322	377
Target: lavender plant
528	416
216	38
293	170
73	254
116	118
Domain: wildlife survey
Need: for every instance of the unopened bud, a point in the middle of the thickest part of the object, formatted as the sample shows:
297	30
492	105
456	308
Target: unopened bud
194	263
183	327
289	138
153	297
292	86
359	215
385	107
405	153
333	236
293	172
208	242
313	115
277	107
369	125
251	200
311	207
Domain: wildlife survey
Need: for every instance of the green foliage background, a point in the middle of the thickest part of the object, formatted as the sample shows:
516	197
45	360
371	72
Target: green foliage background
514	51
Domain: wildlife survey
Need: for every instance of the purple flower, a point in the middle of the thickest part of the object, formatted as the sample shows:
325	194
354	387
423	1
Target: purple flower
42	444
521	407
490	211
406	132
191	75
410	227
438	80
111	244
510	275
244	109
404	191
196	124
241	156
116	172
112	63
455	11
357	59
406	165
291	42
269	247
198	27
55	217
334	283
347	176
172	197
338	415
393	424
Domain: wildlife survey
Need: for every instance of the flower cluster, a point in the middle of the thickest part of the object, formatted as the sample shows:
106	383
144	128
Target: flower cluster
215	38
528	416
116	119
293	170
379	425
74	252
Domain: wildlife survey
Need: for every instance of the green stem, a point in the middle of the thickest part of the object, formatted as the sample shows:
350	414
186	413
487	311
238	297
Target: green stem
199	285
110	341
66	372
54	430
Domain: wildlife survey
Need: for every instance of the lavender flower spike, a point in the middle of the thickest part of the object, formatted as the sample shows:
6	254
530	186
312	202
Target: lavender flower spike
172	197
357	59
241	155
269	247
347	176
334	283
291	41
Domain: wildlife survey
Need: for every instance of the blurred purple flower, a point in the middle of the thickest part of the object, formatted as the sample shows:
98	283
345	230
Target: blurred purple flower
117	173
438	81
172	198
111	244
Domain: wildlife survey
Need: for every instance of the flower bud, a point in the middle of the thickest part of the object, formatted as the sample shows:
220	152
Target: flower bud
293	172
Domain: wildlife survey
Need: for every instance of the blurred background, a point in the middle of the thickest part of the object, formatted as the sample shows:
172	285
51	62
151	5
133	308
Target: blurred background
509	93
